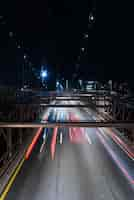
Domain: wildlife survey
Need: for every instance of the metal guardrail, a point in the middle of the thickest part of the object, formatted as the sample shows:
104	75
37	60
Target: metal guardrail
7	162
3	157
65	106
116	124
73	106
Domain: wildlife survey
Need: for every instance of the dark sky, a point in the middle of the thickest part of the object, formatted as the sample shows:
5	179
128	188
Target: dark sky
53	27
52	30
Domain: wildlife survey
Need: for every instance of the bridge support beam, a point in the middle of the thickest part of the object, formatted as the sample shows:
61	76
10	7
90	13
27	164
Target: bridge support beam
9	142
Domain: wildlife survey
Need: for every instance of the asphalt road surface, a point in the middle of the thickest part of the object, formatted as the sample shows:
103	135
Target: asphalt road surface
87	165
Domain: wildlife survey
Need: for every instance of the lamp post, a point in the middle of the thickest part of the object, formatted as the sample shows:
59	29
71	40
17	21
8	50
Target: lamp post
44	75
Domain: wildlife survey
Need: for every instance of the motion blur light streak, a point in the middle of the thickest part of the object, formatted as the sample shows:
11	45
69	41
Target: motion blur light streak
79	171
88	138
77	135
42	146
118	141
102	132
53	143
114	157
122	145
61	138
35	139
70	135
44	140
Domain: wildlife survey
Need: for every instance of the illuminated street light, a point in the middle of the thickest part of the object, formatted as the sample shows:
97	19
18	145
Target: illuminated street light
86	35
25	56
57	83
10	34
18	46
82	49
44	73
91	17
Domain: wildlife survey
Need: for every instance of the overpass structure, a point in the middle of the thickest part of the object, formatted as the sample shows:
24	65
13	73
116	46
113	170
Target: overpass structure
70	118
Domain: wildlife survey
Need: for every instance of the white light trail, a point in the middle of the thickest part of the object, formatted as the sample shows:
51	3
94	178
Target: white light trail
61	138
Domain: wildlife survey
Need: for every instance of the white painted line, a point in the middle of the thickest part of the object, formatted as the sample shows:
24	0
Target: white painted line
61	138
88	138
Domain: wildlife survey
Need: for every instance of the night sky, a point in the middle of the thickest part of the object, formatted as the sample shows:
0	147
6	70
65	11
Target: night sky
52	32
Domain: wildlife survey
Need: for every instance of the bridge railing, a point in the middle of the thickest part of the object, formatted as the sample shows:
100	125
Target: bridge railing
88	124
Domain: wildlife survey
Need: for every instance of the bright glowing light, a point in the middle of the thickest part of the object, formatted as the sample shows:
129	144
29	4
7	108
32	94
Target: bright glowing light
61	138
86	35
11	34
82	49
91	17
53	142
57	83
44	74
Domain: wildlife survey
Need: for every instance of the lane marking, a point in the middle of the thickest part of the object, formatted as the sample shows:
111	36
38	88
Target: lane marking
114	157
88	138
11	181
61	138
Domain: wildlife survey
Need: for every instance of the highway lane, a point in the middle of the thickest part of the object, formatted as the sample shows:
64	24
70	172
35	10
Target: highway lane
79	171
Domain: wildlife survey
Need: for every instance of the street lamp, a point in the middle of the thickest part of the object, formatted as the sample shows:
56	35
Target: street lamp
91	17
86	35
25	56
82	49
44	74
